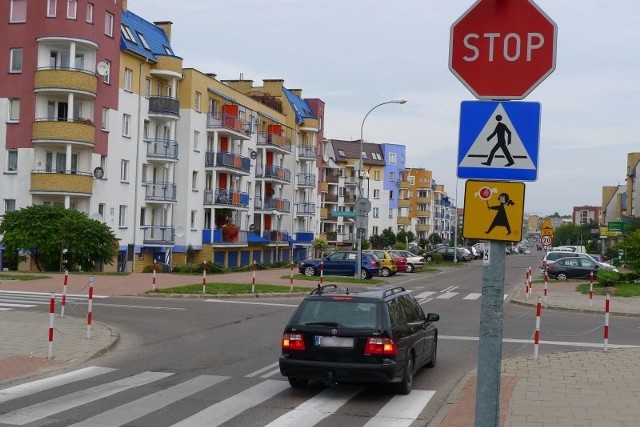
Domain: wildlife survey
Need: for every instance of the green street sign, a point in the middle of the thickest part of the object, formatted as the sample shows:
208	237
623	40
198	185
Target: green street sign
344	214
615	226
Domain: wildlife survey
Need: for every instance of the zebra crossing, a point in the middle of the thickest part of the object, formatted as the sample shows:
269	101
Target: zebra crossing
11	300
95	387
447	294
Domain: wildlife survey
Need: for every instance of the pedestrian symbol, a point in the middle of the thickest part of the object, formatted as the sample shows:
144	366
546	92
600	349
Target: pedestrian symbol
493	210
499	140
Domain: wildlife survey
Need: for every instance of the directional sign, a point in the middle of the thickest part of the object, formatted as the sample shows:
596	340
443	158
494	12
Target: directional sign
493	210
499	140
344	214
502	49
615	226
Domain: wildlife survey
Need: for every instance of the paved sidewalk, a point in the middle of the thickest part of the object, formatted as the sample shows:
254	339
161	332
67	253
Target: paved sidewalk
582	388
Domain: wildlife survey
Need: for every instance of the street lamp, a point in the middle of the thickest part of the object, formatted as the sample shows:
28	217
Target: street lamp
361	177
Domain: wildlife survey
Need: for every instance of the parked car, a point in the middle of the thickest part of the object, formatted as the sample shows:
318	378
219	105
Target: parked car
363	335
387	263
341	264
401	263
574	267
447	253
474	252
413	260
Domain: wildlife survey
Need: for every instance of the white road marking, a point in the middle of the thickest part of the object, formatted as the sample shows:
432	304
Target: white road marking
525	341
259	371
401	411
251	303
472	296
447	295
425	294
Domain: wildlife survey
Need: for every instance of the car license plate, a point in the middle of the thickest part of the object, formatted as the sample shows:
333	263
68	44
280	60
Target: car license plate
342	342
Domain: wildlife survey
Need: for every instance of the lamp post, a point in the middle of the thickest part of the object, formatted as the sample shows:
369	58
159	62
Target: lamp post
361	178
277	235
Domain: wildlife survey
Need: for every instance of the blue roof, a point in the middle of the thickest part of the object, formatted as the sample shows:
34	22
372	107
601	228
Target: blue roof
299	105
156	39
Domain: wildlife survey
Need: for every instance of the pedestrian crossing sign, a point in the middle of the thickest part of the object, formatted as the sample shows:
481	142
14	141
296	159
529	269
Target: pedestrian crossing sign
499	140
493	210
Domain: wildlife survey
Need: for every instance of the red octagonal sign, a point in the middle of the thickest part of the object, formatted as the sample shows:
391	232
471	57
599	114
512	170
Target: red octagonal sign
502	49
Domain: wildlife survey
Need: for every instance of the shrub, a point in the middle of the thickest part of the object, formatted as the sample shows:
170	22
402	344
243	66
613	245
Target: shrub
606	277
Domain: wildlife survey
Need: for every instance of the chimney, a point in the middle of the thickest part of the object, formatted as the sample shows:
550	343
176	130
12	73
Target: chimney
297	92
124	4
166	27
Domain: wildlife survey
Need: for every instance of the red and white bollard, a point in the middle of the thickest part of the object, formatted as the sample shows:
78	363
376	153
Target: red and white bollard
52	310
591	289
606	322
204	277
153	282
291	278
321	272
89	313
536	335
253	279
526	283
64	292
546	279
530	281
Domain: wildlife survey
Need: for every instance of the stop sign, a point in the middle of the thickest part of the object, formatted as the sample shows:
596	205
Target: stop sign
502	49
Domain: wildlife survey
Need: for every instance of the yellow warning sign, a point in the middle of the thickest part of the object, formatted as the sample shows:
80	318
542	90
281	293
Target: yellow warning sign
493	210
546	229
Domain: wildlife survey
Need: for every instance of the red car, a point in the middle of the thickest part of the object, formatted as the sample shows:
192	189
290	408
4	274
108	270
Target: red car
401	263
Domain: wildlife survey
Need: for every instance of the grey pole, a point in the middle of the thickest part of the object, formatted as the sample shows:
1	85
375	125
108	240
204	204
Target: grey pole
490	344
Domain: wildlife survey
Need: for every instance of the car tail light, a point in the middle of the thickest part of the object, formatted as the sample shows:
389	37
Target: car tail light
293	342
380	346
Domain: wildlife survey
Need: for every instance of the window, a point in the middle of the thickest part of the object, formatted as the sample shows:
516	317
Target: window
72	9
146	128
147	87
51	8
102	208
194	180
12	160
392	176
107	76
14	110
376	194
167	50
196	140
124	170
126	125
108	24
364	154
143	40
89	17
197	99
128	79
105	119
391	195
18	11
127	34
376	175
15	60
9	205
194	215
122	216
392	158
376	212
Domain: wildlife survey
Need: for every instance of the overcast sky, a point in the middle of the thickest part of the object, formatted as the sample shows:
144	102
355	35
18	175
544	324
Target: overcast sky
355	54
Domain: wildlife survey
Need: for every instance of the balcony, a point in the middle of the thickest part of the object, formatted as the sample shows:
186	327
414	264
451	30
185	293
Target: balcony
422	228
351	180
276	236
167	67
231	161
273	204
324	212
404	203
273	172
216	236
306	153
228	125
306	209
324	187
61	182
331	198
162	192
271	140
403	185
404	220
304	236
423	200
332	236
164	106
159	235
221	196
332	179
67	79
306	180
162	149
81	131
350	199
423	214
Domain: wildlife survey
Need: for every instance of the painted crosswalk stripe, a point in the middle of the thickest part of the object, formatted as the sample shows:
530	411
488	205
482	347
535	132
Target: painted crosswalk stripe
50	407
401	411
48	383
425	294
447	295
261	370
138	408
224	410
317	408
13	305
472	296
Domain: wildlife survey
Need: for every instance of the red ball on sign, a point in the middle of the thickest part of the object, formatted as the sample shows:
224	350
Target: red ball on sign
485	193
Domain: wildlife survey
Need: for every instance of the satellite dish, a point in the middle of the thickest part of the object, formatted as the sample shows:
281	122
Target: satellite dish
97	217
254	155
102	68
325	158
179	231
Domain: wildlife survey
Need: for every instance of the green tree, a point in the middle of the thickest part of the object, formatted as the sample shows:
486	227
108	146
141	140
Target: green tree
319	246
435	239
404	236
389	237
44	231
631	245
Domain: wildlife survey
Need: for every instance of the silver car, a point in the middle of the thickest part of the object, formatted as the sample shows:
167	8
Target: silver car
413	260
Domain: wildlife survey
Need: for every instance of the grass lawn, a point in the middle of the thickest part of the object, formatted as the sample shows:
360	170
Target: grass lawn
230	289
23	276
621	290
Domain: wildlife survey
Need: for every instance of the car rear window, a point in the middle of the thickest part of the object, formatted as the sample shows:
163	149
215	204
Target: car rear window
350	314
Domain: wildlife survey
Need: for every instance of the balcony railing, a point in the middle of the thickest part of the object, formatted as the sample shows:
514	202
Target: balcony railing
306	208
221	196
159	234
306	179
351	180
160	191
272	203
162	148
331	198
349	198
274	140
227	160
210	236
273	171
333	179
304	236
276	236
306	152
220	120
164	105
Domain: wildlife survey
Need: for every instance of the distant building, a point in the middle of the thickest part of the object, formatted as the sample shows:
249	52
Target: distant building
585	214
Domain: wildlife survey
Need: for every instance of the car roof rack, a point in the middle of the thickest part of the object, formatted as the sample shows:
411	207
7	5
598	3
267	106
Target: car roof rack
392	291
321	288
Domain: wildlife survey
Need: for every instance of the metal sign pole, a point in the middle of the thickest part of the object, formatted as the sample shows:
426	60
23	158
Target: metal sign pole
490	344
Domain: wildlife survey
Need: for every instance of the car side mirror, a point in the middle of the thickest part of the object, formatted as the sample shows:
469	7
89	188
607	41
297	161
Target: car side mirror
433	317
